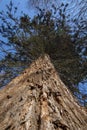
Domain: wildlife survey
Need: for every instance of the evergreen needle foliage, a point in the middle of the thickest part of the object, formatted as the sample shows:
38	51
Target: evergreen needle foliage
48	32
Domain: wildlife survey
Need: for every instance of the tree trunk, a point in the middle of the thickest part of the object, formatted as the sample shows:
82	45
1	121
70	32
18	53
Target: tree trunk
38	100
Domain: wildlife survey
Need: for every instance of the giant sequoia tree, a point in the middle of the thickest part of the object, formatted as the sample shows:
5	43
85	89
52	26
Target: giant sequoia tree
38	100
48	32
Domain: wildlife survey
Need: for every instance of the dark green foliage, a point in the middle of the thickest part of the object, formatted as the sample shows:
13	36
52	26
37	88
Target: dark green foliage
48	32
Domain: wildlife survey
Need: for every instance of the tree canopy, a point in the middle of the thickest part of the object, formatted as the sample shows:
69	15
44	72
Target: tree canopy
49	31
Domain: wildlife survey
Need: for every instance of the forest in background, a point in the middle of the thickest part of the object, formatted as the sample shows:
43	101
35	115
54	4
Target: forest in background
56	29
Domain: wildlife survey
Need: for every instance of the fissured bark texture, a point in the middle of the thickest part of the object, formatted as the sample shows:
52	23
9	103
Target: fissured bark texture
38	100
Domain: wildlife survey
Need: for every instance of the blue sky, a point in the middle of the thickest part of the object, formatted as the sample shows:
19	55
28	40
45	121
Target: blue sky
21	4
